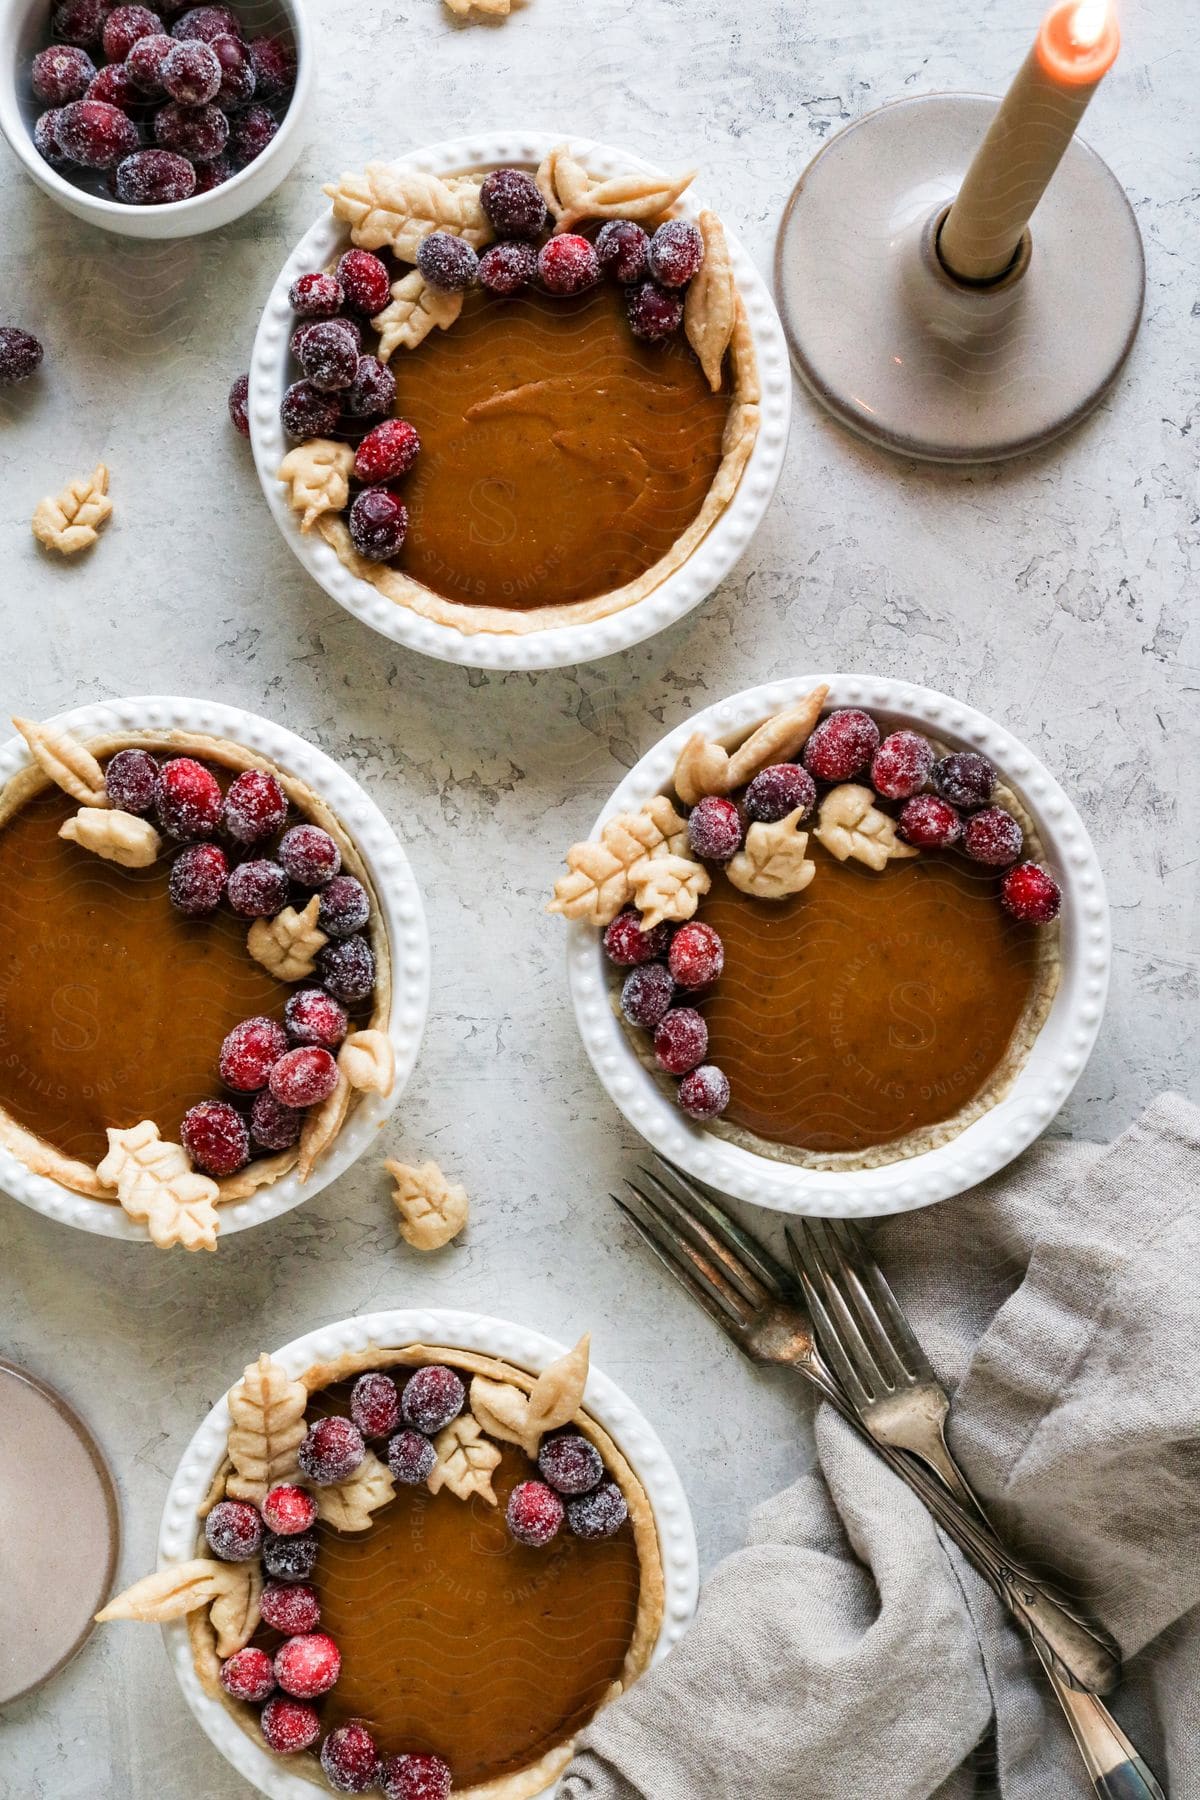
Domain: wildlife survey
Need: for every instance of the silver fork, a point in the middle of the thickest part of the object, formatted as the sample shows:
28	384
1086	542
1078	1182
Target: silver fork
882	1369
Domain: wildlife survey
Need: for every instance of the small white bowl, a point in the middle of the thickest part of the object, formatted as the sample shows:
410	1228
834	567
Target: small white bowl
1049	1072
23	27
557	646
403	919
633	1434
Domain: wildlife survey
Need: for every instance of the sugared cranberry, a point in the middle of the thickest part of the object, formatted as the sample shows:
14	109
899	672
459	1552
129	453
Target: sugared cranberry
289	1510
239	397
676	253
654	315
378	524
233	1530
130	781
304	1077
204	23
1031	894
508	268
411	1457
308	1666
350	1758
704	1094
680	1040
274	60
249	1053
512	203
965	779
290	1558
365	282
274	1127
646	995
567	264
114	85
779	790
214	1135
253	129
929	823
599	1514
372	393
307	413
255	806
315	1017
248	1675
331	1451
348	969
697	955
622	248
570	1464
61	73
196	131
309	855
80	21
144	64
375	1404
124	26
329	355
627	945
289	1726
155	178
535	1514
447	262
993	836
214	174
345	907
188	799
900	767
238	80
841	745
415	1776
96	135
291	1607
389	450
191	73
432	1398
715	829
257	889
20	355
45	137
316	296
198	877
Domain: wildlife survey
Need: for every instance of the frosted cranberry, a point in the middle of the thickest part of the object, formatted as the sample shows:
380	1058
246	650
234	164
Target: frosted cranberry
389	450
993	836
204	23
214	1135
20	355
534	1514
654	315
378	524
411	1457
507	269
432	1399
96	135
80	21
676	253
308	1666
144	64
257	889
255	806
233	1530
290	1607
309	855
348	969
237	72
448	263
45	138
274	1127
680	1040
350	1758
779	790
599	1514
900	767
253	130
513	203
365	282
345	907
315	1017
188	799
929	823
288	1726
965	779
570	1464
567	264
622	247
197	880
841	745
249	1053
715	828
704	1094
415	1776
627	945
646	995
191	73
213	174
290	1558
114	85
329	355
331	1451
274	60
61	74
155	178
248	1675
124	26
289	1510
372	393
196	131
1031	894
697	956
130	781
308	413
304	1077
316	296
375	1404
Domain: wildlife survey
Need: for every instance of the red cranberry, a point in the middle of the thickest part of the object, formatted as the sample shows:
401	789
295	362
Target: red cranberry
290	1558
253	130
676	252
715	829
389	450
567	264
155	178
191	73
372	393
627	945
214	174
237	72
411	1457
188	800
308	1666
1031	894
447	263
96	135
697	956
329	355
365	282
124	26
255	806
415	1776
239	395
680	1040
350	1758
20	355
653	314
965	779
207	22
45	138
316	296
233	1530
378	524
993	836
304	1077
61	73
842	744
345	907
290	1607
115	87
348	969
196	131
274	60
929	823
432	1399
646	995
704	1094
570	1464
375	1404
900	767
307	413
622	248
778	791
535	1514
250	1052
315	1017
289	1726
130	780
248	1675
513	203
274	1127
214	1135
507	269
144	64
197	882
309	855
599	1514
289	1510
80	21
257	889
331	1451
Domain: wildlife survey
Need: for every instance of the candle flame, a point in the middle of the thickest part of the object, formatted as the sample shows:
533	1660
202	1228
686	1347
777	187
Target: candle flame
1088	23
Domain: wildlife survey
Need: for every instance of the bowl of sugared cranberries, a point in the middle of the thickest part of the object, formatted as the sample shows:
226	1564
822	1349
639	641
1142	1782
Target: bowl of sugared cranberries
156	121
955	786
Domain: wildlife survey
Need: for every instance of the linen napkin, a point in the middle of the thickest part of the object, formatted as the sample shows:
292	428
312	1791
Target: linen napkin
850	1652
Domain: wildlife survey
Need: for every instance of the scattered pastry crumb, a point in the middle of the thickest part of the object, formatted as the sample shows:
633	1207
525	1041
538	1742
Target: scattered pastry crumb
71	521
432	1210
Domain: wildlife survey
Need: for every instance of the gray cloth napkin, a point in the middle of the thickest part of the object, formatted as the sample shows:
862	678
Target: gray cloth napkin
849	1652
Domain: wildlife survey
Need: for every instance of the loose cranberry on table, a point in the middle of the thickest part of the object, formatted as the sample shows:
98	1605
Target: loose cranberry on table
570	1464
249	1053
654	315
307	413
239	397
372	393
378	524
95	135
309	855
197	880
697	955
929	823
331	1451
155	178
779	790
432	1399
248	1675
188	799
993	836
345	907
447	262
257	889
348	969
20	355
308	1666
411	1457
233	1530
676	253
513	204
365	282
715	829
534	1514
274	1127
61	73
289	1726
965	779
621	249
291	1607
253	129
841	745
627	945
680	1040
900	767
329	355
314	1017
350	1758
130	781
388	450
646	996
375	1404
290	1558
508	268
599	1514
567	264
289	1510
304	1076
415	1775
1031	894
124	26
704	1094
214	1135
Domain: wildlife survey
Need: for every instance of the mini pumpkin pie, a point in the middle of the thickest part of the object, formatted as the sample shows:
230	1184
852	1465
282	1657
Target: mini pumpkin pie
523	399
419	1570
194	980
840	944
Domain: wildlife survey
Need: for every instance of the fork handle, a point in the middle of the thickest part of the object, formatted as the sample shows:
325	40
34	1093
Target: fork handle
1117	1771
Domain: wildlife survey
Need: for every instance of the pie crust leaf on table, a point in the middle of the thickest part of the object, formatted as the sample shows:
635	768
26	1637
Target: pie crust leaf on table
572	194
710	310
416	308
287	945
465	1461
497	8
667	887
704	767
231	1592
850	825
774	862
267	1409
70	521
599	879
556	1396
385	205
348	1505
68	763
119	837
432	1210
318	473
156	1184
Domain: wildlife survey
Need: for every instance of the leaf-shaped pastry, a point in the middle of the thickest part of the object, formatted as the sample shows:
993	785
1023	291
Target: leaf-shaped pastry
505	1412
432	1210
287	945
598	883
231	1590
156	1183
667	887
348	1505
399	207
117	836
710	310
322	1124
707	768
465	1461
71	521
498	8
318	474
415	309
234	1612
851	825
773	863
66	761
368	1061
572	194
267	1409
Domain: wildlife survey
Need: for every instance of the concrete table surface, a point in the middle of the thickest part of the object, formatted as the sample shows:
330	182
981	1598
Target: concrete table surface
1052	592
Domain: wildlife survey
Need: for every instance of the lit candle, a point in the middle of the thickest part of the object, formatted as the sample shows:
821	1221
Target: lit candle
1075	48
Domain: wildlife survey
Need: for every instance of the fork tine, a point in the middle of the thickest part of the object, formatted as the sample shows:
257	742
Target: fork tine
900	1332
704	1239
883	1346
712	1280
734	1237
870	1372
809	1275
682	1275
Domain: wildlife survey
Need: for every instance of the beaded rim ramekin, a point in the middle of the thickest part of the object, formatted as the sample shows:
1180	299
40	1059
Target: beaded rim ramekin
1055	1059
708	564
604	1400
403	919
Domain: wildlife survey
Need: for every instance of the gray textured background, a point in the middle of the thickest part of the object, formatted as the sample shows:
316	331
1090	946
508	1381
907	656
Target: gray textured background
1052	593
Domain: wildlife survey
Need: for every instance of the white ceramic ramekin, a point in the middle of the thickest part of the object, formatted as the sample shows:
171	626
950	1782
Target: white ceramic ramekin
1054	1062
23	28
708	564
403	919
631	1432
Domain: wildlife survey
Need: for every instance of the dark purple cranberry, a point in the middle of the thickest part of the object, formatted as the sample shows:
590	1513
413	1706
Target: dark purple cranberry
411	1457
965	779
622	247
993	836
646	995
207	22
45	138
274	60
447	263
432	1399
365	282
653	314
676	252
345	907
599	1514
310	855
214	174
308	413
144	64
378	524
778	791
316	296
290	1558
253	130
155	178
61	73
200	132
375	1404
714	829
20	355
131	780
257	889
191	73
237	72
570	1464
233	1530
272	1126
348	969
124	26
513	203
350	1758
239	395
372	393
96	135
80	21
198	877
507	269
329	355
